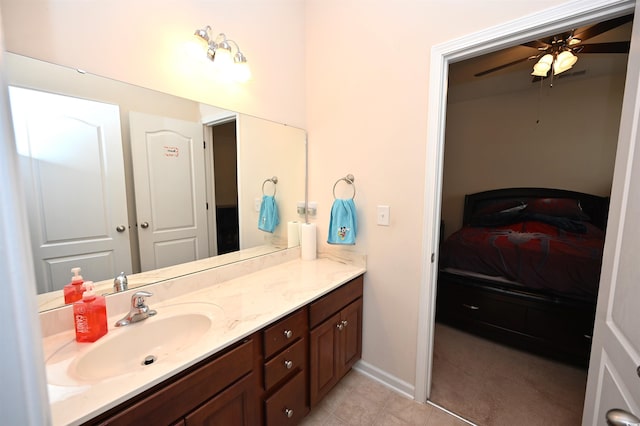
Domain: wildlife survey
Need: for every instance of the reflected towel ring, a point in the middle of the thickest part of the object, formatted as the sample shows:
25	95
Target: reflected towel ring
273	180
349	179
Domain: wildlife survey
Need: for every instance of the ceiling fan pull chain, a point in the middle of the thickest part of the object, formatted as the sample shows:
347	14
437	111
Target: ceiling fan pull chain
539	102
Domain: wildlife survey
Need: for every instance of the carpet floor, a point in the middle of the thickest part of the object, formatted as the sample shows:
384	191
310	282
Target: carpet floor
491	384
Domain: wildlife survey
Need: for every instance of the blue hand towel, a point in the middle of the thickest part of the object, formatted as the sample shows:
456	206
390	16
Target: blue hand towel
268	219
343	224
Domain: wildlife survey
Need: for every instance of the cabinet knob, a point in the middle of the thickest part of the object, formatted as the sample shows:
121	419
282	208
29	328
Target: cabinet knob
345	323
288	334
288	412
340	326
288	364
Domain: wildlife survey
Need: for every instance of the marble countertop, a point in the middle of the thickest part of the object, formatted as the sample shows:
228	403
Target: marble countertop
237	308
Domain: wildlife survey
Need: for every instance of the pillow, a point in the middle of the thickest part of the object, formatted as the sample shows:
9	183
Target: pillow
499	206
558	207
499	213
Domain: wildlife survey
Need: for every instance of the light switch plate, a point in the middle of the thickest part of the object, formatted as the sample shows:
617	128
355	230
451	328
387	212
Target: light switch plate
383	215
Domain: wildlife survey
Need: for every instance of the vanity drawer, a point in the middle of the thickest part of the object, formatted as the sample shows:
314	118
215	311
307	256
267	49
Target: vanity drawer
171	400
288	405
285	332
335	301
290	360
468	304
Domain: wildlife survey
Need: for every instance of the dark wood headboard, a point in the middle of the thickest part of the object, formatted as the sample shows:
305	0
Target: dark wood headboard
594	206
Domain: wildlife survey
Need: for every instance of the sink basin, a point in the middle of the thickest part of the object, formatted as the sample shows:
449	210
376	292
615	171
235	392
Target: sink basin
138	346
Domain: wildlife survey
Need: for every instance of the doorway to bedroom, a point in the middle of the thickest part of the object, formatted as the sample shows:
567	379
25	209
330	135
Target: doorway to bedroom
505	130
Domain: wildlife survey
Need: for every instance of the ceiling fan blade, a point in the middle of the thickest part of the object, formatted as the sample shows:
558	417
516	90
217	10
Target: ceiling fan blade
503	66
602	27
536	44
613	47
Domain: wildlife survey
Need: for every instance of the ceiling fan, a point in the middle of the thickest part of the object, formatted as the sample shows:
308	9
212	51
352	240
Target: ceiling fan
560	51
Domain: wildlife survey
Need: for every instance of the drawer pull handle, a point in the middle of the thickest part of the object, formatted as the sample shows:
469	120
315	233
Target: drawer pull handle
288	364
288	412
288	334
472	307
587	336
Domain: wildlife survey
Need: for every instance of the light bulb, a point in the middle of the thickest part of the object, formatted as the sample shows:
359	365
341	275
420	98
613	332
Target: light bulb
564	61
541	68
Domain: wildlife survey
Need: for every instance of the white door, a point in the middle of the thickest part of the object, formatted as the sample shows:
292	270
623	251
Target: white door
169	179
614	370
70	151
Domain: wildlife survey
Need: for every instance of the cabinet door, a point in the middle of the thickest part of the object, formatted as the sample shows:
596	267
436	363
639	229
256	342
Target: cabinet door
235	406
350	336
323	358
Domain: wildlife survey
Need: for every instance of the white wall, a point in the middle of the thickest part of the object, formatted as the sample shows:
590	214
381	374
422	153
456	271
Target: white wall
151	43
367	77
561	137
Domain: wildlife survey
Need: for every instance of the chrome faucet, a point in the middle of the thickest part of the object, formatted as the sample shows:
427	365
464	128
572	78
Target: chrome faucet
139	310
120	283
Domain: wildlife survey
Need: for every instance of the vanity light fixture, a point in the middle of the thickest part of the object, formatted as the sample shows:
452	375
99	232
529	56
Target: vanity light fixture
220	45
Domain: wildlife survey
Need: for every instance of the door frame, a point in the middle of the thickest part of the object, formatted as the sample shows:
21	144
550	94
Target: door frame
572	14
210	175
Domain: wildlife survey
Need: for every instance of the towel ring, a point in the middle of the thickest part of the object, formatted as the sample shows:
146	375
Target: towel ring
349	179
273	180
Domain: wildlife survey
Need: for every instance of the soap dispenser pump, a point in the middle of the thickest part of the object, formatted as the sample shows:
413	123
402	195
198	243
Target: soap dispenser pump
90	315
73	291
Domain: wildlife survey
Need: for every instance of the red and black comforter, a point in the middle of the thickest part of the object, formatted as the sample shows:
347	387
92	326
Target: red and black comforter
534	252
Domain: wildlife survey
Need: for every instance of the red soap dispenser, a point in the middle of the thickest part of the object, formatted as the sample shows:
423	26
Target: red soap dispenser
73	291
90	315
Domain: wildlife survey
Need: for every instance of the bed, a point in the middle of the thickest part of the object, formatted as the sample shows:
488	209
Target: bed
524	269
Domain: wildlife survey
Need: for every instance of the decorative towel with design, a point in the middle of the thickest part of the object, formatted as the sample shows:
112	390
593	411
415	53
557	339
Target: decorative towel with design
343	224
268	219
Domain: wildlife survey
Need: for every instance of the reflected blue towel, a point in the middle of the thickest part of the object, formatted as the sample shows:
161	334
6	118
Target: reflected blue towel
343	225
268	219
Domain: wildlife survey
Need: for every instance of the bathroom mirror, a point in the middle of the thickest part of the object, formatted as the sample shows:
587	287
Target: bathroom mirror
262	150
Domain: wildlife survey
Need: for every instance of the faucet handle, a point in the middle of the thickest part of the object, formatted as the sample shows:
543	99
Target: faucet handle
137	299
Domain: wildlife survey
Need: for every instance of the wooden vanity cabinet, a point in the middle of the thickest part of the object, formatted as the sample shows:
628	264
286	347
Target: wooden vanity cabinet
335	339
219	391
273	377
285	369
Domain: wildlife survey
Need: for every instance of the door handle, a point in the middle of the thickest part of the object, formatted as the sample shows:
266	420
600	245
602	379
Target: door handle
619	417
144	225
120	228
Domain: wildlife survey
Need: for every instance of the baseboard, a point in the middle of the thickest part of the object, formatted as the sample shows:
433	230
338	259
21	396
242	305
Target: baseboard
386	379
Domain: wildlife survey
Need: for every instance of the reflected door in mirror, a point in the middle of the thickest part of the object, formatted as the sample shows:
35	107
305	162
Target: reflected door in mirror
77	211
169	181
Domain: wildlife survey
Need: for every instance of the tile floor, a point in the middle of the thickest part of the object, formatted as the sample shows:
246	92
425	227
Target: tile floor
359	400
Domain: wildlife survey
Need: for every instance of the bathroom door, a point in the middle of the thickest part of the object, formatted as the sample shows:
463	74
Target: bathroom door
170	191
614	370
70	152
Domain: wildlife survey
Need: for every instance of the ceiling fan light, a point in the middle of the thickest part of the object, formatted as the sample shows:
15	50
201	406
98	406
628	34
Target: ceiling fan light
541	68
564	62
540	71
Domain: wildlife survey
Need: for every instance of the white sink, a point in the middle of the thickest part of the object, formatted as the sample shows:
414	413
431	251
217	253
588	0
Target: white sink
139	345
